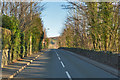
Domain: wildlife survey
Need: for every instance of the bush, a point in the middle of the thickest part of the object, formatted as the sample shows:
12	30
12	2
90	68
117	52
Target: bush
12	23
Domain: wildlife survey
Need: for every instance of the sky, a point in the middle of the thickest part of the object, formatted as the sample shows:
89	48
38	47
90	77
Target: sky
53	18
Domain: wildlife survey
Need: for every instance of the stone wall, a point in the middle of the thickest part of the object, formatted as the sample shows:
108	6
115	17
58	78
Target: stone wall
104	57
5	57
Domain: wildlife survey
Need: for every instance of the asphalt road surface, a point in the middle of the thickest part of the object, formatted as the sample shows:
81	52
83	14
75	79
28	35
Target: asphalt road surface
57	63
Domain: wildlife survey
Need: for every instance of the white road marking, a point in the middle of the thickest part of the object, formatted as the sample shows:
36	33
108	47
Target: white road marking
68	75
63	67
57	55
62	64
59	58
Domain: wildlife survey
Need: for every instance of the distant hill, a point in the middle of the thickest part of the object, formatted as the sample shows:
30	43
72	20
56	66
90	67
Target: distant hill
53	38
53	43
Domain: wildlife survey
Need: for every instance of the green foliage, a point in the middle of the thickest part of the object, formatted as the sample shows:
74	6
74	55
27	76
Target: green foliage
94	26
22	51
18	27
6	38
10	23
37	33
16	45
18	41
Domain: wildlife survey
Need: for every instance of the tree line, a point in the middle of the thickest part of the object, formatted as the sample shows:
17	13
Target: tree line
22	28
92	25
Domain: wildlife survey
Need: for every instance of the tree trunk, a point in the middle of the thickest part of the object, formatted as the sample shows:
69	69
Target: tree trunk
30	44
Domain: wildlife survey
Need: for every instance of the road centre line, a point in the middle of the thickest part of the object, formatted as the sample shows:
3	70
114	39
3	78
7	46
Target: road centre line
59	58
68	75
62	64
56	53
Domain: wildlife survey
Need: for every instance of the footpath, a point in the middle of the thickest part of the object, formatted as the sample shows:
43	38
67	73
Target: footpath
13	69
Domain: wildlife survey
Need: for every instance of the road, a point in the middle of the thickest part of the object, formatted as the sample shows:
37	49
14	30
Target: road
57	63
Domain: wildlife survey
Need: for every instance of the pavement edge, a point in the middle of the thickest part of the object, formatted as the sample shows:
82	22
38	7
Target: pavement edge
23	67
